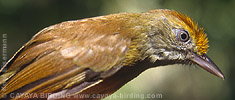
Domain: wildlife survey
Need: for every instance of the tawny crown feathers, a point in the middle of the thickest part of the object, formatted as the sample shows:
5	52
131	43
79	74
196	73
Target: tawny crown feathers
196	32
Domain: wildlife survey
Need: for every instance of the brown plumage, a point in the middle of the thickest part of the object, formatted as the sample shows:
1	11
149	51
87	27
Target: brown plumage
99	55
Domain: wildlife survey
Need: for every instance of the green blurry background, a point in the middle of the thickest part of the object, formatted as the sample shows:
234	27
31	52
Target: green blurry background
21	19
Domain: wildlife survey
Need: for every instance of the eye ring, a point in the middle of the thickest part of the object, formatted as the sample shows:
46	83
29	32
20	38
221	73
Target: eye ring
182	35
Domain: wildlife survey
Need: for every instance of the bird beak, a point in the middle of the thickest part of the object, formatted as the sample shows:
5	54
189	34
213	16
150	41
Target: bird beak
207	64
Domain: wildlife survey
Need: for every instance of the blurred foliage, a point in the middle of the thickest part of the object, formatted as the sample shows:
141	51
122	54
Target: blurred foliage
21	19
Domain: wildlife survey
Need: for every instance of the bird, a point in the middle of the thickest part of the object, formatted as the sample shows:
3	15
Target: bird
99	55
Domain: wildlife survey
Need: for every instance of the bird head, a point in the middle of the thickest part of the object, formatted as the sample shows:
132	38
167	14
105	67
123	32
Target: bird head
174	37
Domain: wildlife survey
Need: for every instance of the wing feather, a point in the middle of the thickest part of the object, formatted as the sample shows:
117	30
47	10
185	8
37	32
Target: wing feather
51	62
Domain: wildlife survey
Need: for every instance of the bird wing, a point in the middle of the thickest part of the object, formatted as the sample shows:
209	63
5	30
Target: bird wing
63	56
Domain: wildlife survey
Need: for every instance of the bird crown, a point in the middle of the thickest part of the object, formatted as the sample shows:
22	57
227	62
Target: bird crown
196	32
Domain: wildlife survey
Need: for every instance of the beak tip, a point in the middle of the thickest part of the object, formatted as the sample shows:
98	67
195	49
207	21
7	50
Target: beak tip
222	76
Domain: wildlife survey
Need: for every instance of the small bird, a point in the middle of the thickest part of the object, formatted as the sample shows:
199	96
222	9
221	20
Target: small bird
77	60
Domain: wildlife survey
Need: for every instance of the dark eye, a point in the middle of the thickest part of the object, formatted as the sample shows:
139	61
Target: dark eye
182	35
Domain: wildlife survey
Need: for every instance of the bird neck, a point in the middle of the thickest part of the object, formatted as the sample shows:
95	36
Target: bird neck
151	41
143	30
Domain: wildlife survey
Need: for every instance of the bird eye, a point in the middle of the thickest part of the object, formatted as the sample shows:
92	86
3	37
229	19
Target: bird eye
182	35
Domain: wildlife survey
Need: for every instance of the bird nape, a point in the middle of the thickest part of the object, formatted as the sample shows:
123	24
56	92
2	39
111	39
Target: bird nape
99	55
